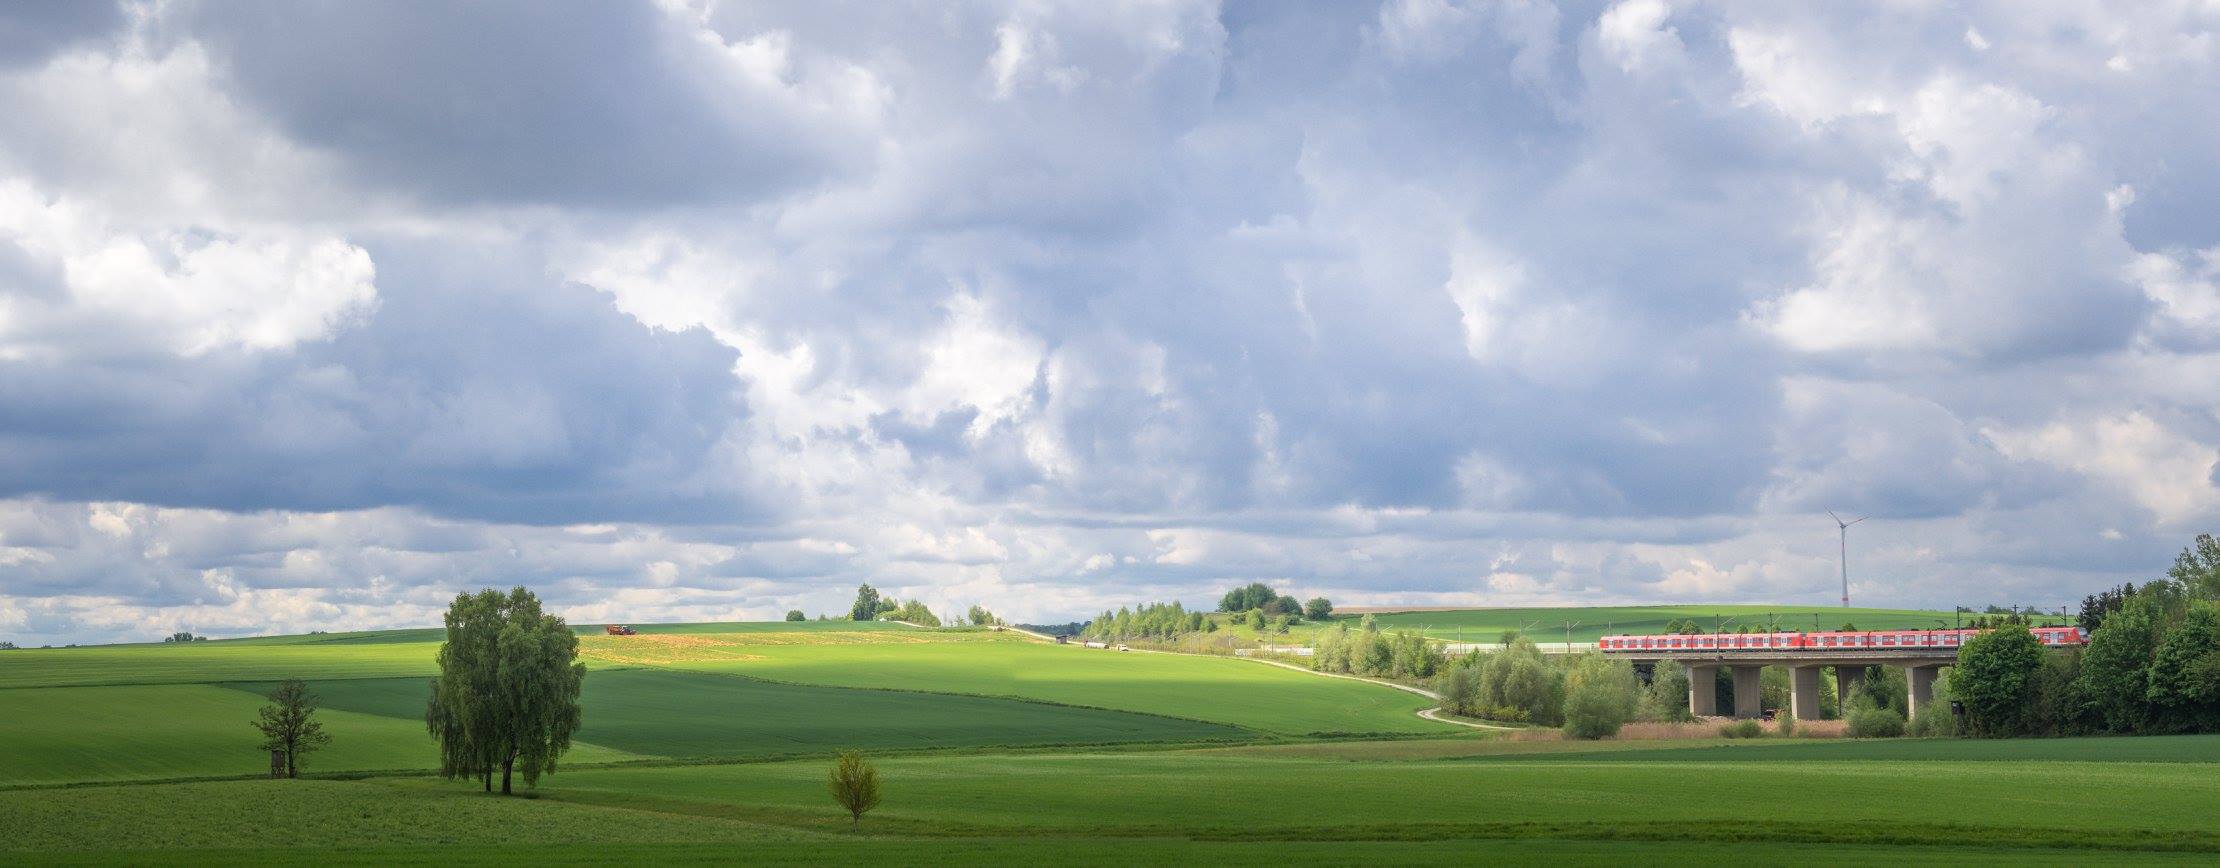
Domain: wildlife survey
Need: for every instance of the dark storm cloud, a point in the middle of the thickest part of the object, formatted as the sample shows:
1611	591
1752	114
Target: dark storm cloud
469	392
569	103
34	30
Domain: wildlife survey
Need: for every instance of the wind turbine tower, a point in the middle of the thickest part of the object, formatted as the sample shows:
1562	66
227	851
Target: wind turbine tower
1844	551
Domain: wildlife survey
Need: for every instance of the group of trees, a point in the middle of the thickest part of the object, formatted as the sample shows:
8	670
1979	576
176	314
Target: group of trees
1590	695
1517	684
507	693
1371	652
182	637
1258	596
2152	664
1256	606
870	606
1161	622
980	617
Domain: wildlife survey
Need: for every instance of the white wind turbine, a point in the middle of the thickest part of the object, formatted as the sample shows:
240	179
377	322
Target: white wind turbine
1844	528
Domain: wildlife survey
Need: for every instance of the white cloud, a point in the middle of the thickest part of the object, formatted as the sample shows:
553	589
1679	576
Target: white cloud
1635	35
189	290
2162	470
1063	306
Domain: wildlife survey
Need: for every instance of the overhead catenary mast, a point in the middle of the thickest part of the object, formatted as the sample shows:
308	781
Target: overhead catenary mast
1844	551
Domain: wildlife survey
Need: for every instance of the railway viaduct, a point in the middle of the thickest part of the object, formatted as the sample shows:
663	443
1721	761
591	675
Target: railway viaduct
1803	664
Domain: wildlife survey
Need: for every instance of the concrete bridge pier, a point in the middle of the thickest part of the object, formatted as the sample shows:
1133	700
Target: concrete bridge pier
1748	700
1803	692
1703	690
1848	679
1921	681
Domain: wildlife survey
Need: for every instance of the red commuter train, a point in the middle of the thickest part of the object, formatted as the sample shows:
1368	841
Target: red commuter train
1862	640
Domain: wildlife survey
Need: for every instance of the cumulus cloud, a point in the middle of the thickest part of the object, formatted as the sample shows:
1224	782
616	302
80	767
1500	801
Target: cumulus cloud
684	309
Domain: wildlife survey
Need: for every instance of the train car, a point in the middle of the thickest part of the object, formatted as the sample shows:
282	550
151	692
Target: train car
1863	640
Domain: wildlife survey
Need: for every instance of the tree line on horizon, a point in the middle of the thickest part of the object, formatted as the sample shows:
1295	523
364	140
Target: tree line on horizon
1257	606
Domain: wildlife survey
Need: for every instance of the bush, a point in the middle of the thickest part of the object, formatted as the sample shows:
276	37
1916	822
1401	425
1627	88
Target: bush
1666	699
1508	714
1742	729
1785	724
1933	721
1874	722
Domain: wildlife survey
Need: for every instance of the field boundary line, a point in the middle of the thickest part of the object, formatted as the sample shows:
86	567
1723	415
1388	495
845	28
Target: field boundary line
1425	713
1433	714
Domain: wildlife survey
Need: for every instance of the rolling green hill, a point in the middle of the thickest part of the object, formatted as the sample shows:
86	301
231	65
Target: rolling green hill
1223	690
709	744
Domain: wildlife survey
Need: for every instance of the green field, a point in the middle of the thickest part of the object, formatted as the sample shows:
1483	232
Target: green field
692	715
1763	803
708	744
203	662
1587	624
409	822
1223	690
61	734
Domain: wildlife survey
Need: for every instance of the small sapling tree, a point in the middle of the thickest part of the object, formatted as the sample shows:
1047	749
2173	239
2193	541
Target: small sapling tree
855	785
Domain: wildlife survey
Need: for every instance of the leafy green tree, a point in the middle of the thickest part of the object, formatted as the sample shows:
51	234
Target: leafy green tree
288	724
1411	656
1600	696
2060	707
855	785
2185	673
2096	606
1522	679
507	694
1256	595
867	603
1667	696
1318	608
2116	668
1459	685
916	612
796	615
2197	568
980	617
1331	651
1996	680
1375	655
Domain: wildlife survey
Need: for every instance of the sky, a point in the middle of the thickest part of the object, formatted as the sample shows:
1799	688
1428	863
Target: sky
313	314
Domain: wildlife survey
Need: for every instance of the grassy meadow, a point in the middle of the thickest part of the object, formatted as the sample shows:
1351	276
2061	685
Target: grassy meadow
709	743
1217	689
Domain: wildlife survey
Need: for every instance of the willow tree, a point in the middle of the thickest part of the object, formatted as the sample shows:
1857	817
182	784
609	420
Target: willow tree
507	693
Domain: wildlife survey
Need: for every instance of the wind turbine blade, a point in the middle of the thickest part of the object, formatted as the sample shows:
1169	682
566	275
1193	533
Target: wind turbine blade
1858	519
1831	514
